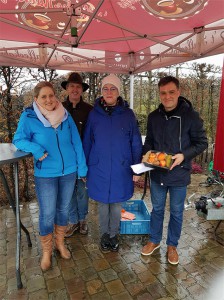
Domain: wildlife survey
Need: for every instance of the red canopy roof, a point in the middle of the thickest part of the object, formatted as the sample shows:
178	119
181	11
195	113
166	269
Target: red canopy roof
126	36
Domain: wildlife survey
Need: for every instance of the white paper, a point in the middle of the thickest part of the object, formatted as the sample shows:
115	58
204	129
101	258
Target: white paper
140	168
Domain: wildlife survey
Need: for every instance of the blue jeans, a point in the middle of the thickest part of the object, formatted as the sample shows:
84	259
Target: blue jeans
54	195
158	198
78	207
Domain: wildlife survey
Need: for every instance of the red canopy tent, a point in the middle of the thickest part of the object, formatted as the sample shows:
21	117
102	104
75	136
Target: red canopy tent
219	140
118	36
112	36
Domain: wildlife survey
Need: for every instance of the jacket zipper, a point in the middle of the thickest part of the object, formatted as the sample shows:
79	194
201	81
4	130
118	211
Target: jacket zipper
110	164
179	131
56	131
177	117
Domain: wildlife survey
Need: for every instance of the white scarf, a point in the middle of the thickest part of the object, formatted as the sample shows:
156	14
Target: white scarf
55	116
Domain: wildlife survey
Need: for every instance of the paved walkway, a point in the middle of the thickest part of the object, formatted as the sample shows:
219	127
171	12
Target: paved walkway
125	275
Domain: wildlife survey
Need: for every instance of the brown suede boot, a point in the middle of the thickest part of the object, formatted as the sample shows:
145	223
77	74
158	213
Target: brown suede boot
46	243
59	241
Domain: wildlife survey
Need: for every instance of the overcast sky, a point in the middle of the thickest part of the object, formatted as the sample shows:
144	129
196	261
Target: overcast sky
215	60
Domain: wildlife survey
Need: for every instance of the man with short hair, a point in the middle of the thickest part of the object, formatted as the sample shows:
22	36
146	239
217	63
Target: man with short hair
174	127
79	111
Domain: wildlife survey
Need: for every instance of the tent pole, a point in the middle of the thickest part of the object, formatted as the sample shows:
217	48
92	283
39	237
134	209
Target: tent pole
219	142
131	91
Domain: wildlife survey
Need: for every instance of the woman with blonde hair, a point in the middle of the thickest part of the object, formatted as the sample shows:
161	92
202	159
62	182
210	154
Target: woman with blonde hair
47	131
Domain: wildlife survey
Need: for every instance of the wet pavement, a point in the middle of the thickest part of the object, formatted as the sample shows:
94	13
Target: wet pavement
124	275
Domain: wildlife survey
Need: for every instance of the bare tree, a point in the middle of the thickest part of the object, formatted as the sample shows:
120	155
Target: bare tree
94	81
43	74
12	82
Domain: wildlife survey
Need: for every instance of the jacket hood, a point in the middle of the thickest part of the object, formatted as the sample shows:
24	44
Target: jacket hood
33	112
30	111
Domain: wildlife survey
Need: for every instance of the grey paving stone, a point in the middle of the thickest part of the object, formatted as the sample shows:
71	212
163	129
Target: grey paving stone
147	277
122	296
108	275
196	291
83	263
91	274
177	291
52	273
3	280
119	266
3	269
144	296
59	295
166	278
135	288
115	287
101	296
95	286
138	267
55	284
39	295
35	283
157	290
101	264
69	273
74	285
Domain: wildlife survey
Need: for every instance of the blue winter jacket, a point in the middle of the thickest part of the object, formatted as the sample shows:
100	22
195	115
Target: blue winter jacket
63	145
112	143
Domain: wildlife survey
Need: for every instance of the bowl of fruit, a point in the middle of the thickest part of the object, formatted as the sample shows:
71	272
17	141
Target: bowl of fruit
158	160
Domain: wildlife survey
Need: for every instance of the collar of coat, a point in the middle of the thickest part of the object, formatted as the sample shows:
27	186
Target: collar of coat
102	107
70	105
183	105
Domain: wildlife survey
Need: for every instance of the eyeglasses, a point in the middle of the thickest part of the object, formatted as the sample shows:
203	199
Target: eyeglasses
112	90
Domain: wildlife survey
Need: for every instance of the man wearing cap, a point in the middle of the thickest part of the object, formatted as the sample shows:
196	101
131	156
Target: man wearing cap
79	111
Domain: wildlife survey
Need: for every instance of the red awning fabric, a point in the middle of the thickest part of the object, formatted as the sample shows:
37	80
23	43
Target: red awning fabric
219	140
109	36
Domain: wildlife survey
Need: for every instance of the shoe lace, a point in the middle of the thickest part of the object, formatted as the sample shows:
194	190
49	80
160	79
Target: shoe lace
172	250
83	223
105	237
114	240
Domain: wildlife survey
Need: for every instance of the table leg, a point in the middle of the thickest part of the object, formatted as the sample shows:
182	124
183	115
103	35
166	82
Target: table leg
12	204
18	240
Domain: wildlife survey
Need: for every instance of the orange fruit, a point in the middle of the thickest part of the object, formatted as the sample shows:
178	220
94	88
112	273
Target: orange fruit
162	163
151	157
161	156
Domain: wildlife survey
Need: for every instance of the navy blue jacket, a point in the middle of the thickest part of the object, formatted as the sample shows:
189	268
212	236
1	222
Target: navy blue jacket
112	143
182	132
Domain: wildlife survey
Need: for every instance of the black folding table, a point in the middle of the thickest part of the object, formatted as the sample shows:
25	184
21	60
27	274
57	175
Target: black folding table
10	155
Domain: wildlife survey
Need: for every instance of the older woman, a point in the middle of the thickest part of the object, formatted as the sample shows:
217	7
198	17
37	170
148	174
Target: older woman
47	131
112	143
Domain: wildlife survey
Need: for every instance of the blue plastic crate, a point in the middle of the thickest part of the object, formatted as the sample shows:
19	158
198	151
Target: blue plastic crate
141	225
